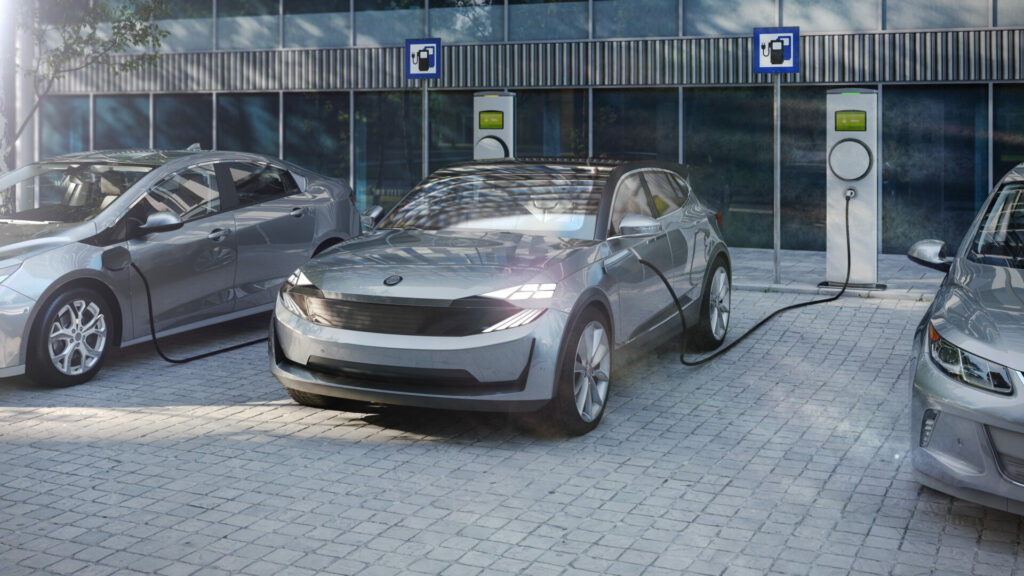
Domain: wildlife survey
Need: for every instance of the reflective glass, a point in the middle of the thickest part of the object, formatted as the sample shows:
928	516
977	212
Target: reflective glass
551	123
247	24
935	162
803	168
388	22
455	21
316	132
831	15
451	128
191	194
68	193
121	122
317	23
1009	12
388	145
180	120
726	17
928	14
727	143
635	18
260	183
190	24
1008	128
63	125
547	19
247	123
637	124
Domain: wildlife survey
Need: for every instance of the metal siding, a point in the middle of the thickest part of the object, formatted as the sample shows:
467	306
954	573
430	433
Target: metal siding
938	56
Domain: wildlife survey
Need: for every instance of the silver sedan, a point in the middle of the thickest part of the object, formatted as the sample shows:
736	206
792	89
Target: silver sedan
216	233
967	401
505	286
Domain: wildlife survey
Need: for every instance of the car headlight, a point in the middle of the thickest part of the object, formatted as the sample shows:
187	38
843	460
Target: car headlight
525	292
6	271
967	368
293	294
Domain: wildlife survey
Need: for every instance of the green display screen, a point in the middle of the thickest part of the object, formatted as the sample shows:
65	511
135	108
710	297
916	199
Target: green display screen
492	120
851	121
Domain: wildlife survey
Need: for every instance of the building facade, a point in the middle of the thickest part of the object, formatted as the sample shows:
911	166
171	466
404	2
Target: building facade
321	83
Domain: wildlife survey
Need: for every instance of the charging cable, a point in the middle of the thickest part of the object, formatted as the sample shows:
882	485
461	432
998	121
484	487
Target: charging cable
156	343
682	319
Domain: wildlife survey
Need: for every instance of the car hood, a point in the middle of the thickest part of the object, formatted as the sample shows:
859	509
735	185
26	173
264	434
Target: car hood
443	265
22	239
980	308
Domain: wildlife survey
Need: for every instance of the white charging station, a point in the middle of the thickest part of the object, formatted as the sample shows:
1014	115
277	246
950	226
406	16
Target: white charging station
494	125
852	145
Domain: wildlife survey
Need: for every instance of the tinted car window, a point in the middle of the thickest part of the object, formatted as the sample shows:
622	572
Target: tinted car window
67	192
999	240
255	183
629	199
191	194
667	197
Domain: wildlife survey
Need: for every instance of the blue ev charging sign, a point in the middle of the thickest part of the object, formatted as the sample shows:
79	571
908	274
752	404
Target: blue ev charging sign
423	59
776	50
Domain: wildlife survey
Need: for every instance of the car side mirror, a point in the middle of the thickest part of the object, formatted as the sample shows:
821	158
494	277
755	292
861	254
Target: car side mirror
637	225
931	253
370	216
161	222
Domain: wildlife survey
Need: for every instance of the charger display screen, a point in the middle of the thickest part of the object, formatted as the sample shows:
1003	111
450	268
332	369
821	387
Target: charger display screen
492	120
851	121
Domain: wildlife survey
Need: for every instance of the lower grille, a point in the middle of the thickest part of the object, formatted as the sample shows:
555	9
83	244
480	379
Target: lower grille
1009	449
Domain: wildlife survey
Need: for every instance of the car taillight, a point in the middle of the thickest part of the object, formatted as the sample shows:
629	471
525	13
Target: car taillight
718	219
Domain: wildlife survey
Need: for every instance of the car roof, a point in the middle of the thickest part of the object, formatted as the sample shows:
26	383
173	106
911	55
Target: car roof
133	157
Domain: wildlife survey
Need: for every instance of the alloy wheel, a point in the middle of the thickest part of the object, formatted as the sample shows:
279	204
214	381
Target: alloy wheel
720	303
591	372
77	337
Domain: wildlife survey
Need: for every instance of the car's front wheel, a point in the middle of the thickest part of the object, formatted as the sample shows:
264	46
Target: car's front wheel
71	341
585	374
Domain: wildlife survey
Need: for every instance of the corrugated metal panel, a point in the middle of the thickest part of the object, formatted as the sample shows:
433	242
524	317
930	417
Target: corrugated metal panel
943	56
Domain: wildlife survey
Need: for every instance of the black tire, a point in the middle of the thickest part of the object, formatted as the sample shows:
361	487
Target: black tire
325	402
704	335
564	408
78	347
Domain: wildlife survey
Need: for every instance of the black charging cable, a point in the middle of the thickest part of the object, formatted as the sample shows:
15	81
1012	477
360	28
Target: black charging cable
156	343
682	319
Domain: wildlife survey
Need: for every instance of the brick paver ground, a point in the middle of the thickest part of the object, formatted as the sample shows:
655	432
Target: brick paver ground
784	457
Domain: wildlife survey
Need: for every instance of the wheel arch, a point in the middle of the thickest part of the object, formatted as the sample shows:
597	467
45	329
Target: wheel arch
60	287
592	297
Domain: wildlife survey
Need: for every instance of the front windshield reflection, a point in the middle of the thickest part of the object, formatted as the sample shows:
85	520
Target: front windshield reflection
1000	239
64	192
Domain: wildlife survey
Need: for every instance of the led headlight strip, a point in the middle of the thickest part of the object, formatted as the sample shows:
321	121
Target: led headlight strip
518	319
525	292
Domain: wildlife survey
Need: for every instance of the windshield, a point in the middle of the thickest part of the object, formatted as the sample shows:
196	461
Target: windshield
64	192
553	200
1000	239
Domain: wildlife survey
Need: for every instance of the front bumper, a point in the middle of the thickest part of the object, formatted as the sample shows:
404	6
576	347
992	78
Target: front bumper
976	448
15	309
507	370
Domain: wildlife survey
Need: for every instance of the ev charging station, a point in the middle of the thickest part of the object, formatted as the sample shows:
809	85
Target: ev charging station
852	145
494	125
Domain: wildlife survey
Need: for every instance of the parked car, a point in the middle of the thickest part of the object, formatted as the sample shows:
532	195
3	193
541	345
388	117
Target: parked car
505	285
216	233
967	402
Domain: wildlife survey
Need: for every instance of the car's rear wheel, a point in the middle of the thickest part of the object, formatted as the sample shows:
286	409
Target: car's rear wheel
715	309
70	342
585	374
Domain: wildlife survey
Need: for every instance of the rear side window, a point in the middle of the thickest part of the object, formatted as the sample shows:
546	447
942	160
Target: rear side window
666	195
259	183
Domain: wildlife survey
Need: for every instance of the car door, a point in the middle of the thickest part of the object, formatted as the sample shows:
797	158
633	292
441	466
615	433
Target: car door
275	225
191	271
641	297
680	230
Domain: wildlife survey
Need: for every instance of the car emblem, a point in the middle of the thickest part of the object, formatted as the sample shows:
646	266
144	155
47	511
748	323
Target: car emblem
392	280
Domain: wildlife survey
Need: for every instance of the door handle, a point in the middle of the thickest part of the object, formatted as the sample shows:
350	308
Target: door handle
218	234
297	212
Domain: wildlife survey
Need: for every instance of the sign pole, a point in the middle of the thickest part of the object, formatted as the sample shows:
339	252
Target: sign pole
777	195
426	128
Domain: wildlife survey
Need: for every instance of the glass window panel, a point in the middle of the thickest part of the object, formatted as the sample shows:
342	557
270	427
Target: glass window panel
388	146
247	24
546	19
388	22
635	18
551	123
630	198
63	125
180	120
728	147
121	122
935	171
455	21
247	123
317	23
831	15
451	128
191	194
190	24
316	132
803	168
640	124
666	195
1008	126
927	14
1009	12
259	183
725	17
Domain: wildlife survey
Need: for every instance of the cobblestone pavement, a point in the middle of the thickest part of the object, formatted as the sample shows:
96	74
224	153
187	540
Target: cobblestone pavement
783	457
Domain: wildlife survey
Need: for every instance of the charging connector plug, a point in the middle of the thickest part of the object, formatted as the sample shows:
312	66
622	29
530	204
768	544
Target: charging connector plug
850	193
